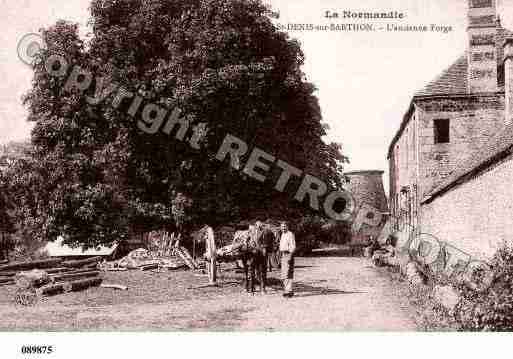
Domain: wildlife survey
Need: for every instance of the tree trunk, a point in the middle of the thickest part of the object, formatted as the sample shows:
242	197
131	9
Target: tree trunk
86	283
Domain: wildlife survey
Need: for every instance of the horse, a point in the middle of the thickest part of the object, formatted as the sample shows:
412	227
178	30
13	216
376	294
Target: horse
254	245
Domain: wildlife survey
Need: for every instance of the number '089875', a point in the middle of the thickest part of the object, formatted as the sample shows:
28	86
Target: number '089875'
37	349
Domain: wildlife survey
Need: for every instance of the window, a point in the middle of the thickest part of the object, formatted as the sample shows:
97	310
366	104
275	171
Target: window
442	130
480	3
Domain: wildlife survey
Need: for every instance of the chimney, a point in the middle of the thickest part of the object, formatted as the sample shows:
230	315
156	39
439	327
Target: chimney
508	80
482	50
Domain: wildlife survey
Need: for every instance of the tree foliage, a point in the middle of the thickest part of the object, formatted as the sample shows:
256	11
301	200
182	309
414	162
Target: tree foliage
223	64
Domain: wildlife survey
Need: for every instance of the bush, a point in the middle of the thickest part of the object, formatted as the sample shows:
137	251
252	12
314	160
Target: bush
491	310
311	231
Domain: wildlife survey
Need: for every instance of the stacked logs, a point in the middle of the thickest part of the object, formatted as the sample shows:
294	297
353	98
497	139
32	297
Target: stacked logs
8	271
34	279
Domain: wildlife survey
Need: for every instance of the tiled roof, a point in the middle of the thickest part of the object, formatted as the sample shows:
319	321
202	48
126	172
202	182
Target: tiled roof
487	155
454	81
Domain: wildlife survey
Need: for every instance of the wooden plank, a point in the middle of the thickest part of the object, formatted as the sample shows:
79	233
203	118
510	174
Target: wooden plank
188	255
39	264
74	271
186	260
210	285
114	286
81	262
174	267
149	267
49	271
58	270
8	274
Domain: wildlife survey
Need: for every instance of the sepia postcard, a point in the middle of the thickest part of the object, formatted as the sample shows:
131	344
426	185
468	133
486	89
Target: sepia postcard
254	166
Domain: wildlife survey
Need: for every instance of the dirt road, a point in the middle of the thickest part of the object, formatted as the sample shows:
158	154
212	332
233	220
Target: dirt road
335	293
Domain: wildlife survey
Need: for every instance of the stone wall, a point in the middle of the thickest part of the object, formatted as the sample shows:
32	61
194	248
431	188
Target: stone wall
473	121
476	216
418	164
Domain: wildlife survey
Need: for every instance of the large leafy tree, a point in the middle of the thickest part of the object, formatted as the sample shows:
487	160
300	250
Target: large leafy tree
7	224
224	65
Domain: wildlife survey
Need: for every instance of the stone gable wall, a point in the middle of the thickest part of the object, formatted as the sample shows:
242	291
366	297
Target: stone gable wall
473	121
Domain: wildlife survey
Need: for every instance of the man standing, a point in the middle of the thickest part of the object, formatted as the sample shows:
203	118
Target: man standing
287	249
210	254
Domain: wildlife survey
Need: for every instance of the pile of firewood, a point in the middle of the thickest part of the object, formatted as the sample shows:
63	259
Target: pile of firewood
168	245
161	242
164	252
35	279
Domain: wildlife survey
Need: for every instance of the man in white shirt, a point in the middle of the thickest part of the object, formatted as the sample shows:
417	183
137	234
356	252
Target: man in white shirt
210	254
287	250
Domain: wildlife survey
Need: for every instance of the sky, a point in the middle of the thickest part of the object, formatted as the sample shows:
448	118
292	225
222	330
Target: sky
365	80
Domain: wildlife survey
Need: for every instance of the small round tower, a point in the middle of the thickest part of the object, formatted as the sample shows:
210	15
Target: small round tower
367	187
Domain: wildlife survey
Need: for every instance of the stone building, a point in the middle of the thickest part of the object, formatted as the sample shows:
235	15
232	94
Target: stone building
367	189
449	159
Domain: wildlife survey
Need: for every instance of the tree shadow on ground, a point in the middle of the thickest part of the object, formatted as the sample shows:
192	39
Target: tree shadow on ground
306	290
